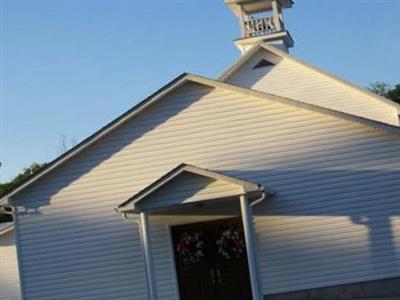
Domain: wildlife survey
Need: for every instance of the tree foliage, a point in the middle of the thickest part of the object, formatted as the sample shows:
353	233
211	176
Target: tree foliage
8	186
27	172
386	90
64	145
394	93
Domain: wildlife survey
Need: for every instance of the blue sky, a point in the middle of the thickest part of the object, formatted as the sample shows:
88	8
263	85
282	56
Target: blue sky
70	67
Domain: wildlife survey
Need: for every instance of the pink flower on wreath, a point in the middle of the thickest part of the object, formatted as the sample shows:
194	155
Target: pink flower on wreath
239	243
182	246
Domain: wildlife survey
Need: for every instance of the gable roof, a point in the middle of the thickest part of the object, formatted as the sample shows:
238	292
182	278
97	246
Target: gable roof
262	45
169	88
247	186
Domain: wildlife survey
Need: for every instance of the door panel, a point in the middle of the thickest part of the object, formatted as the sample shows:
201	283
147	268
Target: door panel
234	284
211	260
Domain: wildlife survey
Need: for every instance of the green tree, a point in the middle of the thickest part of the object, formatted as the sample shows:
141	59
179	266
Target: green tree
394	93
8	186
386	90
27	172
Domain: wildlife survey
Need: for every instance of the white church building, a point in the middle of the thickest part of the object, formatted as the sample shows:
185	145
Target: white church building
274	181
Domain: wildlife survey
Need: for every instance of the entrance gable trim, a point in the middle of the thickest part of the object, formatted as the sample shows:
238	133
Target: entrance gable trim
247	186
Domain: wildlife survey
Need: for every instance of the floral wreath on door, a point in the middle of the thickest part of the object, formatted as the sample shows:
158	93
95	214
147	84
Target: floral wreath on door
231	244
190	248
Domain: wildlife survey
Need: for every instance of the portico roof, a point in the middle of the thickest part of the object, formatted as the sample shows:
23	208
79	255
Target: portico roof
188	184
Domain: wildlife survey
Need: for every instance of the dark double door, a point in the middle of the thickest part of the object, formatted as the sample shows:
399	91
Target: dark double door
211	261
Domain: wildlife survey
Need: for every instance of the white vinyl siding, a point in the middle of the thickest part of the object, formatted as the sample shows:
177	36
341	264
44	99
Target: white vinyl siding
293	80
9	277
332	220
84	257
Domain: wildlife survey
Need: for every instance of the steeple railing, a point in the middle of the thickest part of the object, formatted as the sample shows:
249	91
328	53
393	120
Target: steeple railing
261	26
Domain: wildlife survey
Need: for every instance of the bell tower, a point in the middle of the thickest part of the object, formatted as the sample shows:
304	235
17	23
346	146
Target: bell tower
261	20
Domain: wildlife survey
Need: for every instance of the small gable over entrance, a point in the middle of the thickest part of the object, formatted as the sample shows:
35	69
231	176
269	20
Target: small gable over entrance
188	184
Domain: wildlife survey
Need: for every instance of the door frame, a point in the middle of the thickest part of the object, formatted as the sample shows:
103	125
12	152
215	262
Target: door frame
173	260
172	250
249	234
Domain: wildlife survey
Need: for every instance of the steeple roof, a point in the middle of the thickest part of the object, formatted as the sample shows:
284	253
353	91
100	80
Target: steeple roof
254	6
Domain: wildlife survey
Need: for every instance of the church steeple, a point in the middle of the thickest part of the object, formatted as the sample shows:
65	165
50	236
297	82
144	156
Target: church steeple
261	20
